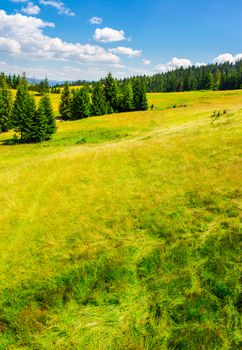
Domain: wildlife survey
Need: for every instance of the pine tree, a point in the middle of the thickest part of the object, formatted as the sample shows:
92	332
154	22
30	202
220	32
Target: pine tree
139	93
45	105
81	106
99	104
23	112
5	107
65	107
111	93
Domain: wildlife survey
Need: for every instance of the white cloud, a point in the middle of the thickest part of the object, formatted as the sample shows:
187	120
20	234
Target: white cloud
60	6
108	35
174	64
200	64
227	57
67	72
96	20
17	1
23	37
126	51
31	9
146	62
9	46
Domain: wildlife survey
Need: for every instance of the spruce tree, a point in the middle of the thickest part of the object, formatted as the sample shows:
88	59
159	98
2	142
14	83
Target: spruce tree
208	81
111	93
127	98
139	93
39	125
23	112
99	104
5	107
46	107
65	107
81	106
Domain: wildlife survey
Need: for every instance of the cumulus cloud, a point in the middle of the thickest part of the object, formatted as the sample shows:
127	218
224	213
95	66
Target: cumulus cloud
96	20
23	37
227	57
31	9
174	64
9	46
126	51
108	35
146	62
60	6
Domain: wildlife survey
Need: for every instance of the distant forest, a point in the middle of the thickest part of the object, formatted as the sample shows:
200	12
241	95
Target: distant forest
226	76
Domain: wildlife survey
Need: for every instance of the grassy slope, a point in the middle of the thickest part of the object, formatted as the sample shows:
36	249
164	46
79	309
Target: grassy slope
123	231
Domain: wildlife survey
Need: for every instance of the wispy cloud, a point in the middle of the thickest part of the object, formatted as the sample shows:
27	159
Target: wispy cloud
60	6
146	62
19	1
96	20
126	51
31	9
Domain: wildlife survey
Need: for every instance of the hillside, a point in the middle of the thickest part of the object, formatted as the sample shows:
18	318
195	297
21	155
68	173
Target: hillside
122	232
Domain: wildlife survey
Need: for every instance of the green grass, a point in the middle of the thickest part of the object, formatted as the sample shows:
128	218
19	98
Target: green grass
123	232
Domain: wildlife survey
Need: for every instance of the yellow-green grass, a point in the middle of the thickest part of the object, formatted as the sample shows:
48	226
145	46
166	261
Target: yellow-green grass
123	231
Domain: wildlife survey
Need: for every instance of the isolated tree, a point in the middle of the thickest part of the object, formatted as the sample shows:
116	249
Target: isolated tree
111	93
139	93
5	107
99	104
65	107
23	113
81	105
46	106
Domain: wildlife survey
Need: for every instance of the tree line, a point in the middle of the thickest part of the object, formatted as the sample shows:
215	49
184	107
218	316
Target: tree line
226	76
30	123
104	97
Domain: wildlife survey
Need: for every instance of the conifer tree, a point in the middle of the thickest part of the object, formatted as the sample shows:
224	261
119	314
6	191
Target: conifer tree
5	107
65	107
43	87
208	81
111	93
127	98
81	106
99	104
139	93
39	125
23	112
45	105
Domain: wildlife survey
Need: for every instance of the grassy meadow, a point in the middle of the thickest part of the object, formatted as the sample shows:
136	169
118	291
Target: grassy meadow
123	231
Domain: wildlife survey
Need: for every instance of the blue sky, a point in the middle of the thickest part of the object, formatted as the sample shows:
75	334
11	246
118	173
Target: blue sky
85	39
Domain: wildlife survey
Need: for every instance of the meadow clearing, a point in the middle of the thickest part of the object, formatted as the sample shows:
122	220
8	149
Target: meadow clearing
123	231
